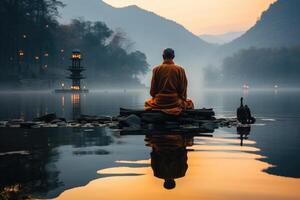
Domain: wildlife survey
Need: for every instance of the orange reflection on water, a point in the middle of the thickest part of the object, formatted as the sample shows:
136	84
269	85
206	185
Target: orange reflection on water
62	101
75	99
215	172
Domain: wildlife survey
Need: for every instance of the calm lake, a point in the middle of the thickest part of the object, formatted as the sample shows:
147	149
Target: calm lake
60	163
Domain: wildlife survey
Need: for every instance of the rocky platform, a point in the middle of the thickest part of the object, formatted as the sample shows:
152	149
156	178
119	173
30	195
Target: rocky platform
134	122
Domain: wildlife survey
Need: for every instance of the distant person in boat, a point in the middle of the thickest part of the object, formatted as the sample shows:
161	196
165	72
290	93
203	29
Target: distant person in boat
169	87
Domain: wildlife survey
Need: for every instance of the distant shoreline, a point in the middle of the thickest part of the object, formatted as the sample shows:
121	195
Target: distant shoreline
105	90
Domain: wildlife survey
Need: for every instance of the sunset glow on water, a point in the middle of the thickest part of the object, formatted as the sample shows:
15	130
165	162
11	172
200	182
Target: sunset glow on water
215	171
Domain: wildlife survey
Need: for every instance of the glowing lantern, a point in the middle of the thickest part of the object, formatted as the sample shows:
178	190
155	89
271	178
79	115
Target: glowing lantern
21	53
76	55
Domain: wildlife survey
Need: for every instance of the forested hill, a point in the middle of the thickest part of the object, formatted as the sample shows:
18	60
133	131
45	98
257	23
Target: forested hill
277	27
150	32
263	67
35	48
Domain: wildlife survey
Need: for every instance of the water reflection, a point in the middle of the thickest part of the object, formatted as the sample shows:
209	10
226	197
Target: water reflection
28	161
243	132
76	105
24	166
169	157
217	168
215	165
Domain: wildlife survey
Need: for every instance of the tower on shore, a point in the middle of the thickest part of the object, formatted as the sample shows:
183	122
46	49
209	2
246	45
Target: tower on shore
76	74
76	69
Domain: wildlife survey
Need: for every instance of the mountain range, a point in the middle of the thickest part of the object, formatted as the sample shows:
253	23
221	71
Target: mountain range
221	38
150	32
277	27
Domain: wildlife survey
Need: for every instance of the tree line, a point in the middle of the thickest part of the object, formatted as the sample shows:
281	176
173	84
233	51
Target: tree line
258	67
35	47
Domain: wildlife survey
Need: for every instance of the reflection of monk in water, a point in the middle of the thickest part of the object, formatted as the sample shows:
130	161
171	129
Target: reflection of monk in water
169	87
169	157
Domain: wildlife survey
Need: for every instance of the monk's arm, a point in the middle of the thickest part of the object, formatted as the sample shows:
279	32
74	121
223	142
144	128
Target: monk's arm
183	85
153	90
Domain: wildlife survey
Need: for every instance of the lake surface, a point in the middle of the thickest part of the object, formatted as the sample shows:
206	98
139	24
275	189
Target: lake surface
98	163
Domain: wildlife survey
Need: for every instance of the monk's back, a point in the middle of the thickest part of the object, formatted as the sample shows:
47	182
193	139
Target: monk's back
167	78
169	87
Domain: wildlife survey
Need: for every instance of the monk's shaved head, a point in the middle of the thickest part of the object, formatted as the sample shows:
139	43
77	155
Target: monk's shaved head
168	54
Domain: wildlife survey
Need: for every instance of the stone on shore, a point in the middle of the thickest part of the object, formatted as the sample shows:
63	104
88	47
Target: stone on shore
46	118
3	124
132	121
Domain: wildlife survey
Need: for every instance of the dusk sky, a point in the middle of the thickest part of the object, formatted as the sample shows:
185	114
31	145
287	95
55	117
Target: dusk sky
205	16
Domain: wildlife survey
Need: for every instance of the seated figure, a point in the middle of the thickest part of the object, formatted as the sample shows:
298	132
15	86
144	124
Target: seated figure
169	87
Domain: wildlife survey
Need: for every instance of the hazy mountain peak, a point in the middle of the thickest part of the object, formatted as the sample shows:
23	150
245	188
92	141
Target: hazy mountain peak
277	27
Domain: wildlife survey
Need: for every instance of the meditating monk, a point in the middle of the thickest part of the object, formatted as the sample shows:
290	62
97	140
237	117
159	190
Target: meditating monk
169	87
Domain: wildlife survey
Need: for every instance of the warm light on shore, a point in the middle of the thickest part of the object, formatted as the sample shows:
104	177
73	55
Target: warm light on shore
75	87
21	53
76	56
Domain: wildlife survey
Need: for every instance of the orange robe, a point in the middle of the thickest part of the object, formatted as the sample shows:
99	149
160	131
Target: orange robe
169	89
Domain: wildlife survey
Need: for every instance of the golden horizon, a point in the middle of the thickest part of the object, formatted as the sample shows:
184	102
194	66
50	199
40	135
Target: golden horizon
205	17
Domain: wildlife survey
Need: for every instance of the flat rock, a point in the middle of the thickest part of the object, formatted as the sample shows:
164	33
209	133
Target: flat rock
132	121
3	124
46	118
14	126
15	121
94	118
27	124
88	125
195	113
54	121
61	124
